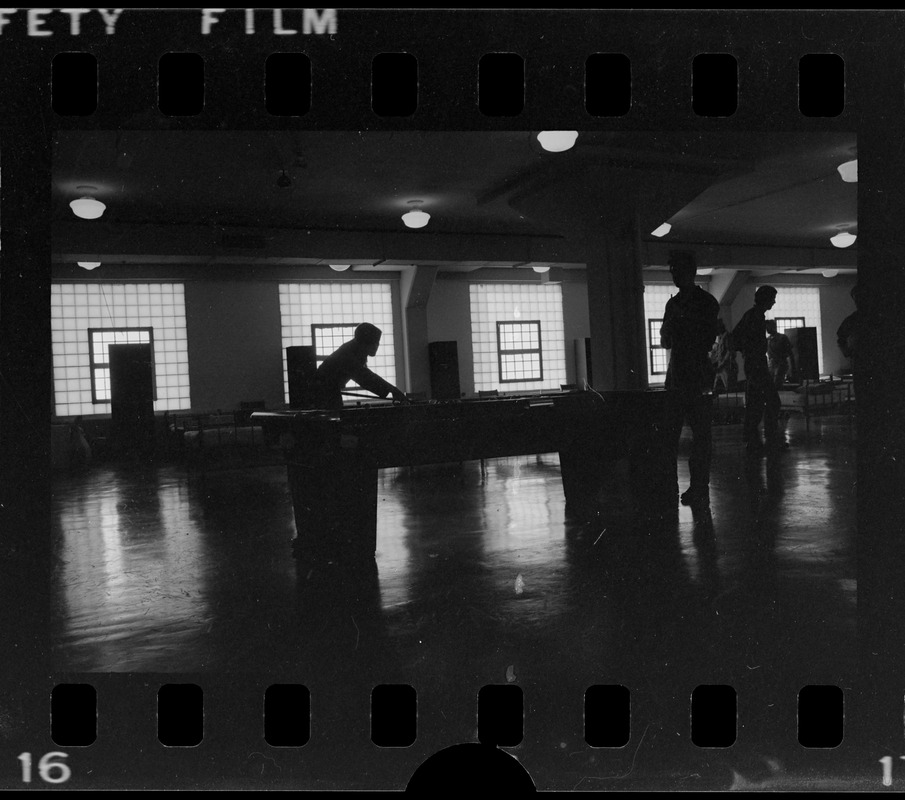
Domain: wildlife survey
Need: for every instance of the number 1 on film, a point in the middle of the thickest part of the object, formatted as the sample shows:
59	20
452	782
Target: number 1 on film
886	761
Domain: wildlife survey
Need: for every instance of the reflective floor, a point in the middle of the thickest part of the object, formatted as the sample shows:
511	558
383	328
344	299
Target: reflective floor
481	578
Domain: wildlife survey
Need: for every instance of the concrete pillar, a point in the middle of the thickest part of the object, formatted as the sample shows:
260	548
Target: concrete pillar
415	289
616	309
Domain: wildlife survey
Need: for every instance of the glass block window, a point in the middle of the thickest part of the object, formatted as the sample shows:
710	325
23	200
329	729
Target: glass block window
786	323
99	341
337	308
518	345
327	338
521	306
800	302
655	297
77	308
659	356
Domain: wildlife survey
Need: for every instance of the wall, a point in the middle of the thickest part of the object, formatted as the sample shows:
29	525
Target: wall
233	324
449	319
576	320
835	305
233	319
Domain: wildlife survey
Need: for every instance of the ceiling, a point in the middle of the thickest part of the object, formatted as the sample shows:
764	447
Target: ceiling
753	190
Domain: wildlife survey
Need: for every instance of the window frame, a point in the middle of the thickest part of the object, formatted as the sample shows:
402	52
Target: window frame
777	319
94	366
316	326
539	350
654	339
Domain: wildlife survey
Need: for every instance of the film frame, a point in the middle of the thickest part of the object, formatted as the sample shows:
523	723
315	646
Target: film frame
448	47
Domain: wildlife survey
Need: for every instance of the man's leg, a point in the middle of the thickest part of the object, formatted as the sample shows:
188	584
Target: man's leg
675	419
700	419
771	417
754	409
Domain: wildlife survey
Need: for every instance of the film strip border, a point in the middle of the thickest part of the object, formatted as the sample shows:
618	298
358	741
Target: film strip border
499	84
287	727
554	48
451	69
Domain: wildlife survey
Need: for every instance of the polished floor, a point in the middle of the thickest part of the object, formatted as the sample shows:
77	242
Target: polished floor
482	578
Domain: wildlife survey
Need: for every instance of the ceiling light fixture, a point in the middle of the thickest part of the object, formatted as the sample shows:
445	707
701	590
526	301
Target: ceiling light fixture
87	207
849	171
541	269
557	141
662	230
340	267
416	218
706	271
843	239
830	273
89	265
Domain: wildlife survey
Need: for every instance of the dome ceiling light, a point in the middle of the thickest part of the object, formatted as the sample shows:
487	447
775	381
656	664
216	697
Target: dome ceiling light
87	207
416	218
843	239
830	273
557	141
849	171
340	267
662	230
89	265
541	269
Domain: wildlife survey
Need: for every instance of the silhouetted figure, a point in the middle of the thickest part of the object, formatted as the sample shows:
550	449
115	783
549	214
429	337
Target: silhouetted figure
723	359
79	449
350	362
779	354
847	334
688	330
761	397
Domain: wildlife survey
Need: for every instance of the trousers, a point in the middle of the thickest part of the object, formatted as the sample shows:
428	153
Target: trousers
695	409
761	403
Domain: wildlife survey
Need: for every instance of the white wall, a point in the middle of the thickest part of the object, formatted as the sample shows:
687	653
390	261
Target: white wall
835	305
449	320
576	321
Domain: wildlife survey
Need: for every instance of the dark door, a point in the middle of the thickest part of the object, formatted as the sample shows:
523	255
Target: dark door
804	349
132	397
301	366
444	366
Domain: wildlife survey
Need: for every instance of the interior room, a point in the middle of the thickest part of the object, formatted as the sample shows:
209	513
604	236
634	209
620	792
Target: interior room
501	267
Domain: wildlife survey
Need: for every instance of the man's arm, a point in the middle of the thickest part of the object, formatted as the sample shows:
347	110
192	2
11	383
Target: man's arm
741	334
374	383
842	337
666	329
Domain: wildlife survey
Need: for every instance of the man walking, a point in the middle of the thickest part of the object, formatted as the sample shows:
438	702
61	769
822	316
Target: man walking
761	396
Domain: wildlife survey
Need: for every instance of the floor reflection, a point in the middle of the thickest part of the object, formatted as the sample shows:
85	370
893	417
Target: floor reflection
480	576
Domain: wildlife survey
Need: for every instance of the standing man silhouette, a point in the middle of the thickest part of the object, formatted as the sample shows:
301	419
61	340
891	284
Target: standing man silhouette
780	354
847	335
761	396
688	332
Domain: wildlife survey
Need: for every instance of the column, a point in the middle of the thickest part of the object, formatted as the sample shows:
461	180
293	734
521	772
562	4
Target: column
616	309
